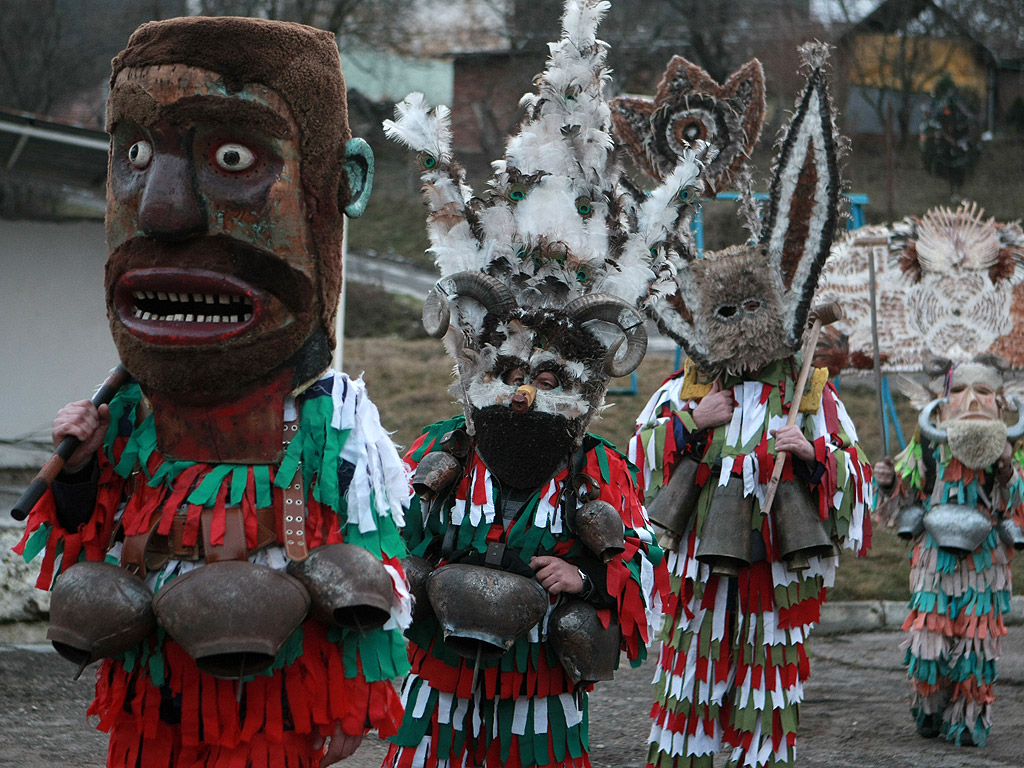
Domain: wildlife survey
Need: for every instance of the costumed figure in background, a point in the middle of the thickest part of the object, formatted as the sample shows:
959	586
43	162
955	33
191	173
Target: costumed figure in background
751	560
226	539
956	491
533	558
948	284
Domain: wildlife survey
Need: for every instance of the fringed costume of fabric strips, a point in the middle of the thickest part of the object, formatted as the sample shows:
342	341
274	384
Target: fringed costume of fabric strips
158	707
524	710
732	664
957	604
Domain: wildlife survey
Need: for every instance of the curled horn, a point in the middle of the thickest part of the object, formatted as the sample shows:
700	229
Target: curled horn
494	295
1016	432
924	422
614	310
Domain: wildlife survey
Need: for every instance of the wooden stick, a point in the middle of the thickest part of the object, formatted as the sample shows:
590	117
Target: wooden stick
876	354
118	378
824	314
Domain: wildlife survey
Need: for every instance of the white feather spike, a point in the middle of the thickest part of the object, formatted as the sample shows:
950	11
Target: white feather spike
426	130
421	128
581	19
668	206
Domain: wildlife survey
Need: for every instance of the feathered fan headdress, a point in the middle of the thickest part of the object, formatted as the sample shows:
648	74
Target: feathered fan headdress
558	256
949	284
739	309
688	107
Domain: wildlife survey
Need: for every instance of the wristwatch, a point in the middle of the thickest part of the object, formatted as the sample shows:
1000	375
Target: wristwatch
588	585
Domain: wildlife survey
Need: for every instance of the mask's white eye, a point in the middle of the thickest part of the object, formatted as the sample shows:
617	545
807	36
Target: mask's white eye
140	153
234	157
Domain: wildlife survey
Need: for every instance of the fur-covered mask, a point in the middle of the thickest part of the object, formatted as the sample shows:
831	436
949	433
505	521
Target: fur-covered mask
225	202
548	270
533	389
520	350
739	309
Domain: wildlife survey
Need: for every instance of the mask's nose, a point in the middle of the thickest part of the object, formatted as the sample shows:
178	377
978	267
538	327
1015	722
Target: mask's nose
170	209
523	399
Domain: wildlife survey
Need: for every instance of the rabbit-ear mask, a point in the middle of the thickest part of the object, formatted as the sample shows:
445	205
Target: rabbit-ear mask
736	310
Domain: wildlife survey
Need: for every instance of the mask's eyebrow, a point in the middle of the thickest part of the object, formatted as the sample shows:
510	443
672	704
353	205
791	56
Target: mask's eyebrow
205	109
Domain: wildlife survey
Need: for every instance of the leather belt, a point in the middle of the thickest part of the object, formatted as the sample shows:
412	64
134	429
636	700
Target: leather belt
147	551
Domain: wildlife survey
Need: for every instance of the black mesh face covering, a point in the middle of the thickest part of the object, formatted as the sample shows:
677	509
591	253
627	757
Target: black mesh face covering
523	450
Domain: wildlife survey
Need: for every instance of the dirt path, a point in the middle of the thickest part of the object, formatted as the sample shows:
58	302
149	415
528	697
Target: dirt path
855	713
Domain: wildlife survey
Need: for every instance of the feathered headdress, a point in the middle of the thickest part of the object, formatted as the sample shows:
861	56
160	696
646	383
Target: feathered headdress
688	107
738	309
558	256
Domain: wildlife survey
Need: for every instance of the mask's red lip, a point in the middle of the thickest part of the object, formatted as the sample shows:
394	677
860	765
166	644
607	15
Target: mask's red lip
192	306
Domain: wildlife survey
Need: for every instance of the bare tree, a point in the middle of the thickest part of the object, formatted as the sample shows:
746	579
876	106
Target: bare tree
51	50
370	22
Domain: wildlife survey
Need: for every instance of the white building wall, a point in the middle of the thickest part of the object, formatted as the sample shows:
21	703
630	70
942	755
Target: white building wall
55	343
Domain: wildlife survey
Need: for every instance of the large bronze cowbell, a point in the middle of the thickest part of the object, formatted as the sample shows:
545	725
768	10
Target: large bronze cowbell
483	611
798	528
675	503
586	649
725	536
349	587
99	610
233	616
599	526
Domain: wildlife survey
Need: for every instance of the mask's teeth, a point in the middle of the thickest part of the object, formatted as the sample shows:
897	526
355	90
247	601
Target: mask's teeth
187	307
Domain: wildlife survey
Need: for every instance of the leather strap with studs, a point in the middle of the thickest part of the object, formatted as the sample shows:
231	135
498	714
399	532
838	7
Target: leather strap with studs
293	508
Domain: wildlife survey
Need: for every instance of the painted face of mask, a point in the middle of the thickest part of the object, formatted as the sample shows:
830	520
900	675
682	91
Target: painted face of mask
211	275
972	417
974	394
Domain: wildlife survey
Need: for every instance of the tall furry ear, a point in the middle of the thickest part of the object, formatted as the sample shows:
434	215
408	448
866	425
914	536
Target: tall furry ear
676	313
688	107
803	205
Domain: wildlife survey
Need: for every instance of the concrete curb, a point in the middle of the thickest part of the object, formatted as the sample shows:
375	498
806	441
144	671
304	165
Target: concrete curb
884	615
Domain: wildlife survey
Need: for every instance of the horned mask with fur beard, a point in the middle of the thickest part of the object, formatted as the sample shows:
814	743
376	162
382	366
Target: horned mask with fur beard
970	419
525	445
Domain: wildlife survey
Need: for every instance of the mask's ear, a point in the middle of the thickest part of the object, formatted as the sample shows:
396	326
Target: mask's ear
359	169
803	206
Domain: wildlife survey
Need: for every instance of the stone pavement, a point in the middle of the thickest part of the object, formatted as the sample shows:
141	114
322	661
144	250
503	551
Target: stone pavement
855	712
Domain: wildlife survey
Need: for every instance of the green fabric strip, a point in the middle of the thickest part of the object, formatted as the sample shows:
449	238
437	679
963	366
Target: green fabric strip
37	542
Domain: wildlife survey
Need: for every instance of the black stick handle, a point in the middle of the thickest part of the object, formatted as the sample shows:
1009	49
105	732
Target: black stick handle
117	379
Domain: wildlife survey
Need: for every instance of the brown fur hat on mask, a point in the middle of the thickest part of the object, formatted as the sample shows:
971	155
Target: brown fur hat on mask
740	306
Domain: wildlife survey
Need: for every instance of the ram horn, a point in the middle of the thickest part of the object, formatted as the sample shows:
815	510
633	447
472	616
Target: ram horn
929	431
1016	432
494	295
611	309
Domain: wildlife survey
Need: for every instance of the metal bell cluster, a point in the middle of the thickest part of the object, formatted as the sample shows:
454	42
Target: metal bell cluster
232	616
